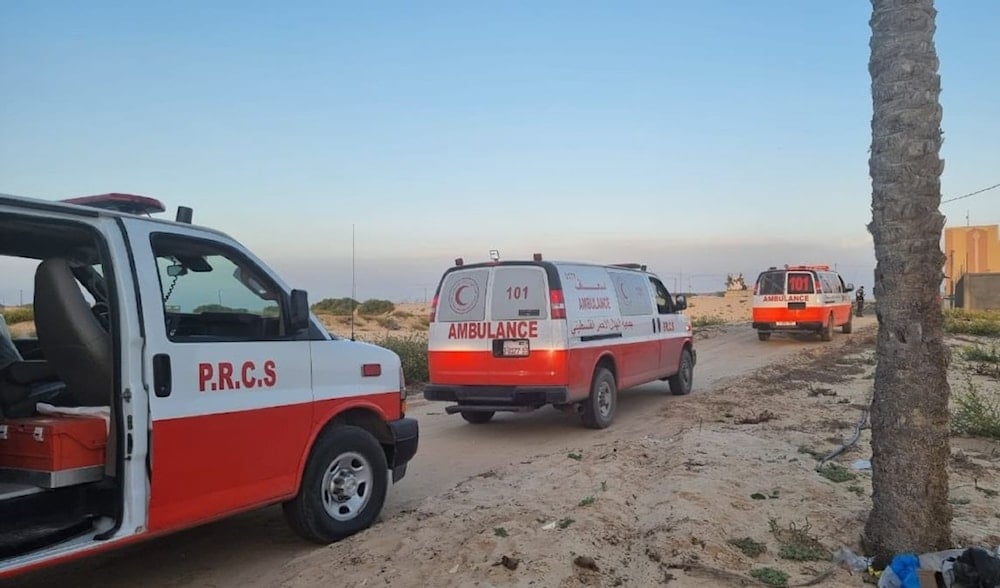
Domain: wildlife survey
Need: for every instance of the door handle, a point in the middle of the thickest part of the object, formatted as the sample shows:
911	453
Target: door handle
161	375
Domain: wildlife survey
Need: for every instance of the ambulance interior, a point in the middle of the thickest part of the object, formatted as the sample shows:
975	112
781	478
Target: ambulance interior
58	444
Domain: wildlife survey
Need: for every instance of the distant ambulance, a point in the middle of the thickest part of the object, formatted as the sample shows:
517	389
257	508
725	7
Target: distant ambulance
801	298
518	335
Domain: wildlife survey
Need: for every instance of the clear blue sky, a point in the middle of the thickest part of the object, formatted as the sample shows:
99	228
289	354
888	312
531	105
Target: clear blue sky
699	137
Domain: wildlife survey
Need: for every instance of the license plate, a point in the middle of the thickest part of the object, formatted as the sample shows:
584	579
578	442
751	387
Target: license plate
785	323
515	348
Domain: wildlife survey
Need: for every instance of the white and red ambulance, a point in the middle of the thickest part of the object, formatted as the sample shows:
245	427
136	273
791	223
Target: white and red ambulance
803	299
175	379
518	335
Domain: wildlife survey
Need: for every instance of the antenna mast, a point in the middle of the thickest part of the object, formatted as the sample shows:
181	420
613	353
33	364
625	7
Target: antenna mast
354	287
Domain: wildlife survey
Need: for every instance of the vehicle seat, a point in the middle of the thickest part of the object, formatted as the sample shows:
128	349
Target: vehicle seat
23	383
71	338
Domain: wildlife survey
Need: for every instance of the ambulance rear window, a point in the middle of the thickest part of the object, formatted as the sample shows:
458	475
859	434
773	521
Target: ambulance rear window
463	296
800	283
771	283
519	292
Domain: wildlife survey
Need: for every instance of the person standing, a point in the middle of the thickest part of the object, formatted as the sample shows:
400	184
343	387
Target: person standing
860	298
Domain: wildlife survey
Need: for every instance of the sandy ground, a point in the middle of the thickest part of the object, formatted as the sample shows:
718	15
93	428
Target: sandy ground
653	499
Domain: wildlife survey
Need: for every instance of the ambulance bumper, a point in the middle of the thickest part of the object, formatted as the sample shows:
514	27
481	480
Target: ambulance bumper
798	326
405	433
496	398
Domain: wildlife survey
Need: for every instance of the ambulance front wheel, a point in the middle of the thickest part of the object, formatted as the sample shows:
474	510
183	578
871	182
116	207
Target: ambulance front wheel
343	488
849	325
682	382
763	335
476	417
599	407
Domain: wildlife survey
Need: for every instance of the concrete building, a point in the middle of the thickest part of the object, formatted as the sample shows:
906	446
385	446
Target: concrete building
970	250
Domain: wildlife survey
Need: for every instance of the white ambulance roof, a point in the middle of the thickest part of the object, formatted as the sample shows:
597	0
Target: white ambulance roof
92	212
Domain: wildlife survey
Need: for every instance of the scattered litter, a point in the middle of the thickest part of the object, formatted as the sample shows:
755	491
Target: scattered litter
862	464
510	563
976	567
586	563
850	560
549	526
966	568
453	570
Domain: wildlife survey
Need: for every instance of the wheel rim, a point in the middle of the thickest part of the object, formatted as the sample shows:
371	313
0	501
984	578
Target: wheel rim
347	486
686	372
605	398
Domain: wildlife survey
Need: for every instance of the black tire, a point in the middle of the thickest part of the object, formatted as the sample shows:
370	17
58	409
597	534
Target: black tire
599	407
477	418
340	451
849	325
763	335
827	333
682	382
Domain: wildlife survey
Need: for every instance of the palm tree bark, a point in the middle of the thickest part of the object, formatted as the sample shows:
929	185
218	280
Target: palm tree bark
909	413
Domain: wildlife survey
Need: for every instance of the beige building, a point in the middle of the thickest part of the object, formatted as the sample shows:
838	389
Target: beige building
970	250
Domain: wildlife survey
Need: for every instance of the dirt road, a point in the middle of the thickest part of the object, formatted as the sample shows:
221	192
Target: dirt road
257	549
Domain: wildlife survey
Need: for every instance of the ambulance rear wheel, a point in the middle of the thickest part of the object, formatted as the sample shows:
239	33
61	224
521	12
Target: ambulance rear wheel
681	382
763	335
827	333
477	418
849	325
599	407
343	487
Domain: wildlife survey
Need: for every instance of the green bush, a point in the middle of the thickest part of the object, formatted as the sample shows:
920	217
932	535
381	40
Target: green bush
387	322
710	320
980	353
412	353
374	306
335	306
18	314
977	322
770	576
977	412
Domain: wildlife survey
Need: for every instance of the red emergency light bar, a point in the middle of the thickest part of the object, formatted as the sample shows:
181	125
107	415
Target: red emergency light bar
806	266
127	203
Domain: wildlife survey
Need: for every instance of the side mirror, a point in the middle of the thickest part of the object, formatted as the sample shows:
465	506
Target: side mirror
680	302
850	287
298	311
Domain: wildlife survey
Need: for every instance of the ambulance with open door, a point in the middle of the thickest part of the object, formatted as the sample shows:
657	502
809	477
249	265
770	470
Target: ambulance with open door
801	299
174	380
518	335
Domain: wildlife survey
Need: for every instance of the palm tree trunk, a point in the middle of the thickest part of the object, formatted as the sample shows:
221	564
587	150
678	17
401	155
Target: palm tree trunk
909	413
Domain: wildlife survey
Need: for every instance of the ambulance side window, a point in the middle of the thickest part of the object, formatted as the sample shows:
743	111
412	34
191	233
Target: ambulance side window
830	285
212	293
664	304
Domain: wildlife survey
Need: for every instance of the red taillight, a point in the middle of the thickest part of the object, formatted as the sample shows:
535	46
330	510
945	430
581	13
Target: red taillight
816	288
557	304
756	287
434	305
369	370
